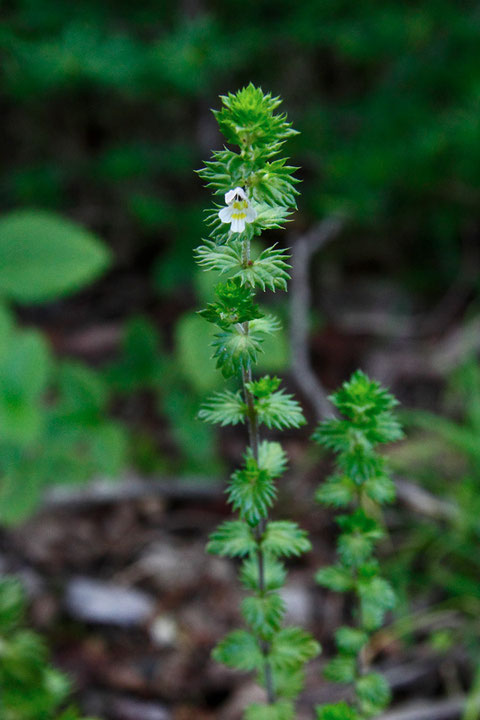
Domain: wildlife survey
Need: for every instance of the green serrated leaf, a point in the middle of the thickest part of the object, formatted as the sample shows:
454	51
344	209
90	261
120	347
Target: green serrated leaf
360	532
264	387
233	539
235	350
234	304
291	648
341	669
360	398
224	408
350	640
239	650
337	711
335	577
269	269
284	538
337	491
279	410
248	117
251	492
373	692
376	598
264	614
274	573
380	489
288	683
271	458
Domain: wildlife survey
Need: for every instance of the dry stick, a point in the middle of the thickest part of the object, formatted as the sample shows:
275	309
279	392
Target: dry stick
440	710
133	487
303	249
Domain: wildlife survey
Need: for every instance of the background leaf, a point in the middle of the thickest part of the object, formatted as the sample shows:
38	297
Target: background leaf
43	256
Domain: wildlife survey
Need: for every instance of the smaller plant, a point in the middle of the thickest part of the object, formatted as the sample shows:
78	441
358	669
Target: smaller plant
360	483
30	688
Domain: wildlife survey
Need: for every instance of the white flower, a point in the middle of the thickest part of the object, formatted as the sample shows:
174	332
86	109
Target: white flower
238	210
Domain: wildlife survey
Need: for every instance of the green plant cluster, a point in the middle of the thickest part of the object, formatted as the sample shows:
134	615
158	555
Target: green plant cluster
277	653
436	559
30	688
360	485
387	105
54	420
56	424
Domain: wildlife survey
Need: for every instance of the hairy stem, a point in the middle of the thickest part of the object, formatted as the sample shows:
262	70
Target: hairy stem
254	440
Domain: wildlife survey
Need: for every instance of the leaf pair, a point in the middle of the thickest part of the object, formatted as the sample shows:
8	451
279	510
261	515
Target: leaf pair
274	408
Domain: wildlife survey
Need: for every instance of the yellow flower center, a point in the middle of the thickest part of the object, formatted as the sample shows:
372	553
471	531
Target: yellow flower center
240	206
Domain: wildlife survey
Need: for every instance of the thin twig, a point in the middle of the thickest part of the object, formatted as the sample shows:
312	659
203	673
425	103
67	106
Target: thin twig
130	488
430	710
421	501
418	326
304	247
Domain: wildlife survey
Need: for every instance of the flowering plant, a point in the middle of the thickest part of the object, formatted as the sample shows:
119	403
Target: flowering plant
259	194
259	191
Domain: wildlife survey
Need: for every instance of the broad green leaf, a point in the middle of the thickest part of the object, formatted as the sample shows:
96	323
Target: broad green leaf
6	326
193	353
83	394
141	364
24	372
20	493
44	256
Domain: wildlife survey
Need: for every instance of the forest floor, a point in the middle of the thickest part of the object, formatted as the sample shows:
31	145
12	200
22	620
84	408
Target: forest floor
120	584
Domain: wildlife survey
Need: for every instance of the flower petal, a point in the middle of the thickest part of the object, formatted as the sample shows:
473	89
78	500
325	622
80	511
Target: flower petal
236	193
238	225
251	214
225	214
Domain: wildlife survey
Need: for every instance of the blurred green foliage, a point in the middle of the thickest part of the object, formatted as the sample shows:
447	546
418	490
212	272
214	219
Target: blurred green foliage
31	689
436	556
54	424
106	111
42	256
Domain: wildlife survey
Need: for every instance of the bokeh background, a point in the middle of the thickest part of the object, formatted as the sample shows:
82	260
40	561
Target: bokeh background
105	114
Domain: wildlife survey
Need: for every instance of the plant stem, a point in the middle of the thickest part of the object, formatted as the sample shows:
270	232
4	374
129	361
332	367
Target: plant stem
254	440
